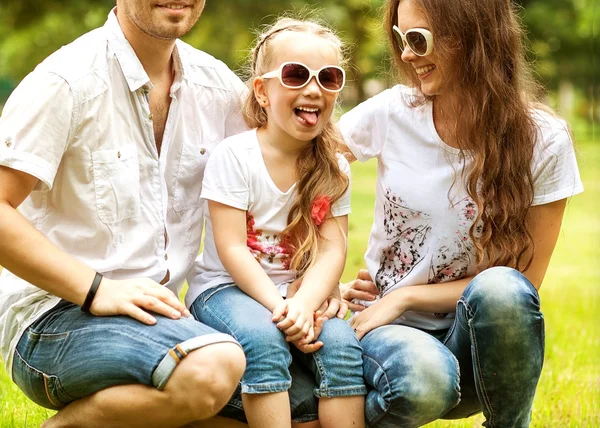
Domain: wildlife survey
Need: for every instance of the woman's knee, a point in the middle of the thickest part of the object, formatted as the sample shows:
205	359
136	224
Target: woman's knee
205	379
501	293
415	377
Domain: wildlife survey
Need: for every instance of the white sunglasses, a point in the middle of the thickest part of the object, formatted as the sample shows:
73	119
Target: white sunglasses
419	40
295	75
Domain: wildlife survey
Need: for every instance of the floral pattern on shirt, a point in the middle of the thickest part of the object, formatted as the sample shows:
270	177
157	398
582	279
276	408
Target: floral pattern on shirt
266	248
408	230
455	254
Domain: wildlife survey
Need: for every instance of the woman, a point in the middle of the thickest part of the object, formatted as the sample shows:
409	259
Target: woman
471	188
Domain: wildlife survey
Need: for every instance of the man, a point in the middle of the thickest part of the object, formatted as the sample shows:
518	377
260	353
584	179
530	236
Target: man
103	148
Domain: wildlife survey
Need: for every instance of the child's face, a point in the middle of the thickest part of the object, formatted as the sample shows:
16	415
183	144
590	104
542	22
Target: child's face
287	107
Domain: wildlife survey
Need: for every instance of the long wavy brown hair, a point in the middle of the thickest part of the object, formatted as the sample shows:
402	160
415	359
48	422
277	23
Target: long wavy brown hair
317	166
480	45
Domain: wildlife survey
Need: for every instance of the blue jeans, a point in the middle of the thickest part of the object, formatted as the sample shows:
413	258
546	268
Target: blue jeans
68	354
337	366
490	359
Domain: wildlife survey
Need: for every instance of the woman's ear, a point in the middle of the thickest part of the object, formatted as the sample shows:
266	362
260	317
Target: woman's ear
260	92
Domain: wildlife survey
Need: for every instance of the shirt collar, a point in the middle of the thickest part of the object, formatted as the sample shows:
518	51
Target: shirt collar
130	64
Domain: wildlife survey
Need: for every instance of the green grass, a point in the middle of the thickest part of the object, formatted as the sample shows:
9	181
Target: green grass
569	390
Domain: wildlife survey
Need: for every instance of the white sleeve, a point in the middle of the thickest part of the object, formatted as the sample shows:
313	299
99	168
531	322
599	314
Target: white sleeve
365	127
342	205
225	178
234	121
36	125
555	172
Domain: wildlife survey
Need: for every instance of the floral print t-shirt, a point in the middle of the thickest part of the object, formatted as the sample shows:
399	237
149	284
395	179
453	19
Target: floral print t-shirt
236	175
423	214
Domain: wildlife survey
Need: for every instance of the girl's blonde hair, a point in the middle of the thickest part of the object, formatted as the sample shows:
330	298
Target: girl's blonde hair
481	45
317	166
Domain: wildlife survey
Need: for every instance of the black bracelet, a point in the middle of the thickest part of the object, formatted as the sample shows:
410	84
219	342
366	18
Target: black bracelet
92	293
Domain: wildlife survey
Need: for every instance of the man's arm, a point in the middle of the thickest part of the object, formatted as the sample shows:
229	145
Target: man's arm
30	255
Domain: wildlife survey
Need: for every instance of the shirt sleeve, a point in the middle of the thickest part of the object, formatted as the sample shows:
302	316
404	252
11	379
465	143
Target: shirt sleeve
555	172
225	178
234	122
365	127
342	206
35	126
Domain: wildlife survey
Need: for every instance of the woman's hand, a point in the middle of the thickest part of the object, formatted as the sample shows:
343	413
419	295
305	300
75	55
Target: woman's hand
383	312
295	320
362	288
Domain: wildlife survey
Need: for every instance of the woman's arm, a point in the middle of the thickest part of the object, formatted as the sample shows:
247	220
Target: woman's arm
544	223
229	229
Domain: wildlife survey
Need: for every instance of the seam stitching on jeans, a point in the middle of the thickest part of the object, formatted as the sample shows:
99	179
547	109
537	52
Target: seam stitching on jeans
387	405
48	392
321	369
484	396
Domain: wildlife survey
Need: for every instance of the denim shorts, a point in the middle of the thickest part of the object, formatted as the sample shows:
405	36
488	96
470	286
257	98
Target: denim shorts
337	366
68	354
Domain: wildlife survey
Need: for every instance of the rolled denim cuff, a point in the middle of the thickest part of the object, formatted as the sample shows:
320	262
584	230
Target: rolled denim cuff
341	391
178	352
266	388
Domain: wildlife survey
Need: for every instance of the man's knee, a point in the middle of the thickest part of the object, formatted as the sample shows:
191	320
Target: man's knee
206	378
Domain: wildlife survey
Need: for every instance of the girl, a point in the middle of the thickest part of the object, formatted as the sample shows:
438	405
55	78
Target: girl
448	312
278	199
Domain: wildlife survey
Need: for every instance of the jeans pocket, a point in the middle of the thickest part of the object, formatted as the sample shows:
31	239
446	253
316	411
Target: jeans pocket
212	291
43	389
116	183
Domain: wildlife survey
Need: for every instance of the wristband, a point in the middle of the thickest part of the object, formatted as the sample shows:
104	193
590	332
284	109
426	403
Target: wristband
87	304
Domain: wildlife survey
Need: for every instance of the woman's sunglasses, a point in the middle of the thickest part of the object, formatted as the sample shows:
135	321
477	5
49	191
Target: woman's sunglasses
295	75
419	40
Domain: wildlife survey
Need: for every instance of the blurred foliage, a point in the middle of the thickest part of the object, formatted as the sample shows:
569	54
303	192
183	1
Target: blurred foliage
561	34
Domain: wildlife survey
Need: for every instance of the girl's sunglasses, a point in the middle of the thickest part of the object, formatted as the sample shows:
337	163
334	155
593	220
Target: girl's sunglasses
419	40
295	75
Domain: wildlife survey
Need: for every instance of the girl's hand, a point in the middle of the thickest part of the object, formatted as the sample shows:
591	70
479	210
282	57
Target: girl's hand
384	312
308	347
362	288
298	321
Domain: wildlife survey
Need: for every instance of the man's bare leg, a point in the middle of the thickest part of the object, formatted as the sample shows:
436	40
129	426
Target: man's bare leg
199	387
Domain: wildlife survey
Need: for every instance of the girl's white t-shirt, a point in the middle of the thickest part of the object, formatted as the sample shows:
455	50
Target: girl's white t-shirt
236	175
420	233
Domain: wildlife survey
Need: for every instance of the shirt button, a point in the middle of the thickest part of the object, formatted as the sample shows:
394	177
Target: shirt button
202	151
8	142
119	155
166	256
150	116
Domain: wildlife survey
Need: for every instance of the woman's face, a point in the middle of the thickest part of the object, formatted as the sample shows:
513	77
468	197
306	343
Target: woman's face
428	70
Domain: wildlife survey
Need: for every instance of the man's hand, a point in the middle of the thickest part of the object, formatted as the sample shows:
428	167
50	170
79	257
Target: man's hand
134	297
362	288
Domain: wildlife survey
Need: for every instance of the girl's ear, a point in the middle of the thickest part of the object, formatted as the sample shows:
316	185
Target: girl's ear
260	92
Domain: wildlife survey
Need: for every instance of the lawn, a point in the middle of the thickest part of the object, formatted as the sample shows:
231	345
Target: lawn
569	391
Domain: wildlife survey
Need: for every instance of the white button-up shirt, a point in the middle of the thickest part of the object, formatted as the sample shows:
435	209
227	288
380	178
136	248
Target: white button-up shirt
81	124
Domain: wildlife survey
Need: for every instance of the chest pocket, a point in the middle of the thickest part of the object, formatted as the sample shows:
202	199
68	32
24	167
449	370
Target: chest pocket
190	174
116	183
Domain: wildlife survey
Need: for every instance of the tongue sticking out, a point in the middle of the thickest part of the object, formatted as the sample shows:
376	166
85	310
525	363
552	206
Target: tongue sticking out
309	117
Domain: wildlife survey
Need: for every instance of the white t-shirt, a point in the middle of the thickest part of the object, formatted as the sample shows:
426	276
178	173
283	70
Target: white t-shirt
236	175
420	233
81	124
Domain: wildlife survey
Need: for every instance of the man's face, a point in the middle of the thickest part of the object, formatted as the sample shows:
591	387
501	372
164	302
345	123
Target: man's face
162	19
